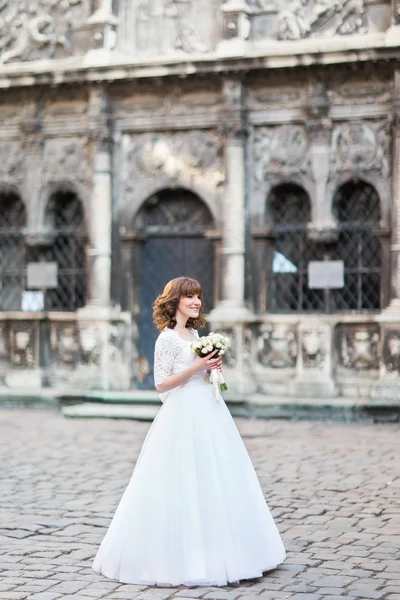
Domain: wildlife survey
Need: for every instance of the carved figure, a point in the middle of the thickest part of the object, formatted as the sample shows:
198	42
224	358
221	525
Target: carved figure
393	352
313	348
359	349
277	150
277	348
30	29
356	146
303	18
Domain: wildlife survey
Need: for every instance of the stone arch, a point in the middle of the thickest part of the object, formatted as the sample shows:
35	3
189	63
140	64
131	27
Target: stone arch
380	185
208	199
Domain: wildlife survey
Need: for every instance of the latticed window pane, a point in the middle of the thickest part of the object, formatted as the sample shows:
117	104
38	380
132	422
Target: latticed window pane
357	208
12	252
289	209
357	202
65	214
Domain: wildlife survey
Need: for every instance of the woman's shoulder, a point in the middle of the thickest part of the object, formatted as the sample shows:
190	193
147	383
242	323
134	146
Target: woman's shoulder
166	337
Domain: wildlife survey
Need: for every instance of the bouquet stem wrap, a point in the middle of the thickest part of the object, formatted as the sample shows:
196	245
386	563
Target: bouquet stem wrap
218	383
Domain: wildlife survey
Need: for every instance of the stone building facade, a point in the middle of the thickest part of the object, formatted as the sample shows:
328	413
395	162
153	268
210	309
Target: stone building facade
236	142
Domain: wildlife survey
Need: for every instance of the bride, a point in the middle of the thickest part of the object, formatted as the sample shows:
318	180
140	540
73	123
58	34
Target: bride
193	512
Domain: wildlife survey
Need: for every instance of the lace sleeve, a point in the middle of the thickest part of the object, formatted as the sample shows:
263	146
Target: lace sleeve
165	352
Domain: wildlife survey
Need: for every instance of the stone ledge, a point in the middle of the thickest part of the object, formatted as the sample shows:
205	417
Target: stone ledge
270	55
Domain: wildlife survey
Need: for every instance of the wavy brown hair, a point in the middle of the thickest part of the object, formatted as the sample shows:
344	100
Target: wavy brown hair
166	304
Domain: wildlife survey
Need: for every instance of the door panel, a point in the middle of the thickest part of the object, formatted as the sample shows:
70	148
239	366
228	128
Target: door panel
163	259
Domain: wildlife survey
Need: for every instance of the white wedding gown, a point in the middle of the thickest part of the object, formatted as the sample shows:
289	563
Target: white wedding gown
193	512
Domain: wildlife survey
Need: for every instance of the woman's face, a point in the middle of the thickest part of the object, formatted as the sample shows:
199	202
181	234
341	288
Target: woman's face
189	306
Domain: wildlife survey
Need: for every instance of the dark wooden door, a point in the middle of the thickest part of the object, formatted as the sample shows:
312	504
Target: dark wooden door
163	259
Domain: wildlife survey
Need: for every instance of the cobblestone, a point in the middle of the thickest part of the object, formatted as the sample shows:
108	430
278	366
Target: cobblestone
332	488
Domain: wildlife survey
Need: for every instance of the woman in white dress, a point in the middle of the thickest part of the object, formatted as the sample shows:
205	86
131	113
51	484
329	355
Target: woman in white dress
193	512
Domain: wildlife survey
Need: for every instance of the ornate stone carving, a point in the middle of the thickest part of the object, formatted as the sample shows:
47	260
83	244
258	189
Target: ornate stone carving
65	344
359	348
277	346
90	344
230	358
360	147
11	162
279	150
165	25
304	18
191	154
365	92
396	11
22	344
34	29
313	348
3	344
391	351
65	161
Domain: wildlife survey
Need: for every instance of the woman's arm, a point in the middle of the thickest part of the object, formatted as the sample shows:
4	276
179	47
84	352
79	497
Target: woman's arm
199	364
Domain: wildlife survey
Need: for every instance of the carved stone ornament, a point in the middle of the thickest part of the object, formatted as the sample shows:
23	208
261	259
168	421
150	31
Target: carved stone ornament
188	154
90	344
360	147
279	150
392	351
313	348
11	162
22	344
35	29
66	161
396	11
65	344
277	346
167	25
359	348
304	18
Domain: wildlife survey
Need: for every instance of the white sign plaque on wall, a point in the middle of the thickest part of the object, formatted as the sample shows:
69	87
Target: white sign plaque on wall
42	276
325	274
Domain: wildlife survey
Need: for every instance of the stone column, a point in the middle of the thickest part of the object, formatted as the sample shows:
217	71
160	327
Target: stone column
100	211
232	305
100	228
231	314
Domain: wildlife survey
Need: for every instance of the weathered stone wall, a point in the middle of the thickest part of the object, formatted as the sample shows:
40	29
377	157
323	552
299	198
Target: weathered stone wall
230	101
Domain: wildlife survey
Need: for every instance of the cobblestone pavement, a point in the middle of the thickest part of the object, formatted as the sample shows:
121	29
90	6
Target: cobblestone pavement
334	490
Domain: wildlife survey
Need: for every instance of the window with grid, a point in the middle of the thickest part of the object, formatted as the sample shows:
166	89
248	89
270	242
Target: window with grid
12	251
65	217
290	211
357	210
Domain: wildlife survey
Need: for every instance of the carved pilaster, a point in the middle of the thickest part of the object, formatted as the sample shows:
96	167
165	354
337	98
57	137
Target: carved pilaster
33	139
319	127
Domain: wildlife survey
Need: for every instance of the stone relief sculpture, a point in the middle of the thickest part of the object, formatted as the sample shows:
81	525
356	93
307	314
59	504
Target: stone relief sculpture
177	155
164	25
33	29
359	349
66	161
11	162
303	18
279	150
277	346
360	147
314	350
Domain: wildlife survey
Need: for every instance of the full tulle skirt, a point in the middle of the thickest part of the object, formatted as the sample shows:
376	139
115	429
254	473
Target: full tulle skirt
193	512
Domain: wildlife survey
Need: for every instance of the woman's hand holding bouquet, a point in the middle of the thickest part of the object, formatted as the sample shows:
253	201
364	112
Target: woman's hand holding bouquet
214	345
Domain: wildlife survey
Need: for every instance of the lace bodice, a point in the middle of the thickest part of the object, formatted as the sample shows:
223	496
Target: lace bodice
172	354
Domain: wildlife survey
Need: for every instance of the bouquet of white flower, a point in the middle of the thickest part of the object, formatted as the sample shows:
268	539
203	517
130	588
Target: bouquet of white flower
206	345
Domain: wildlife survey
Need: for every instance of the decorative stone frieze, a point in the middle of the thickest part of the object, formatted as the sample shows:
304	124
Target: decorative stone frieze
360	146
304	18
37	29
276	346
358	347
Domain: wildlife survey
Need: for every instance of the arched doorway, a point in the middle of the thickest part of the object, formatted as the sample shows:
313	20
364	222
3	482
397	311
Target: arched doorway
173	224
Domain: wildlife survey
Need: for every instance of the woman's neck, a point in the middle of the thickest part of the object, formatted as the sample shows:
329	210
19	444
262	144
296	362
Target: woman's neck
181	323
